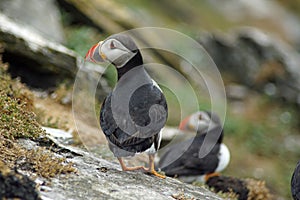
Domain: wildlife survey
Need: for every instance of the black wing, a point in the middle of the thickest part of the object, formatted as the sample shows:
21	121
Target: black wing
188	161
148	114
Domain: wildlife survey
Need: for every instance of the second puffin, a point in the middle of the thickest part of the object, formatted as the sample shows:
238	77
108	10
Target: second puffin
134	113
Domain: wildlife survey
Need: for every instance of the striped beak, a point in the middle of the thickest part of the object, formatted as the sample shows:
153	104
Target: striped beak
94	55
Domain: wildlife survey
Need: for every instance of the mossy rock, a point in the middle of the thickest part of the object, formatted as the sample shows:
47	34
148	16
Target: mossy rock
16	104
17	120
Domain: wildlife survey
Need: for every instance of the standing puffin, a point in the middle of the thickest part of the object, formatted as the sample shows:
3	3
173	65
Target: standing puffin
134	113
183	159
295	182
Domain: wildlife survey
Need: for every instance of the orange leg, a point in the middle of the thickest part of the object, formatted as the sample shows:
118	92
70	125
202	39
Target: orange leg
208	176
124	168
151	169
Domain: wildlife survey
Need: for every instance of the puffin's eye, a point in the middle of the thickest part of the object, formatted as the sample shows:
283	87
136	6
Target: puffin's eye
112	45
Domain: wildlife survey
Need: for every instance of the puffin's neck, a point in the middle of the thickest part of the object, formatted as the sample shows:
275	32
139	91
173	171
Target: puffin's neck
220	140
215	134
136	61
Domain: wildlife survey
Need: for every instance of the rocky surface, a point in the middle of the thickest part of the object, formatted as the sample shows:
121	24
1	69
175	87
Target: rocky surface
98	178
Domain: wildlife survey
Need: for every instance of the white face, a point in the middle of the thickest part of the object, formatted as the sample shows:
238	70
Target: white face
200	122
113	51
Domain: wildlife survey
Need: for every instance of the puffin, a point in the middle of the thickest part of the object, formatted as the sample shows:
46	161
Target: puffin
183	159
295	182
133	114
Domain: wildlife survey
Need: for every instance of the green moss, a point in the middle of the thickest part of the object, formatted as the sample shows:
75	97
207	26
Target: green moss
40	161
16	104
47	165
17	120
227	195
81	38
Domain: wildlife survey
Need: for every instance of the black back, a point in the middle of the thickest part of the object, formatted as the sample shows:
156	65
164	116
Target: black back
189	162
139	106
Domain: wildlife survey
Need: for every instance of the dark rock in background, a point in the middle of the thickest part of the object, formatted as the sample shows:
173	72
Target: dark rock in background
229	184
267	13
39	62
261	62
246	189
14	185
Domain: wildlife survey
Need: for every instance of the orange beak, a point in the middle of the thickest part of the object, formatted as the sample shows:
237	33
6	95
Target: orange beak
94	55
183	123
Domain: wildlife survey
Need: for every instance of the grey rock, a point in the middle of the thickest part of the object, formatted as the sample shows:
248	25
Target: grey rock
42	63
62	136
250	57
238	92
43	16
29	54
67	99
240	11
97	178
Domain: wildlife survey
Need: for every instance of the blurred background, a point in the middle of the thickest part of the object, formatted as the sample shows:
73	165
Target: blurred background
255	45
